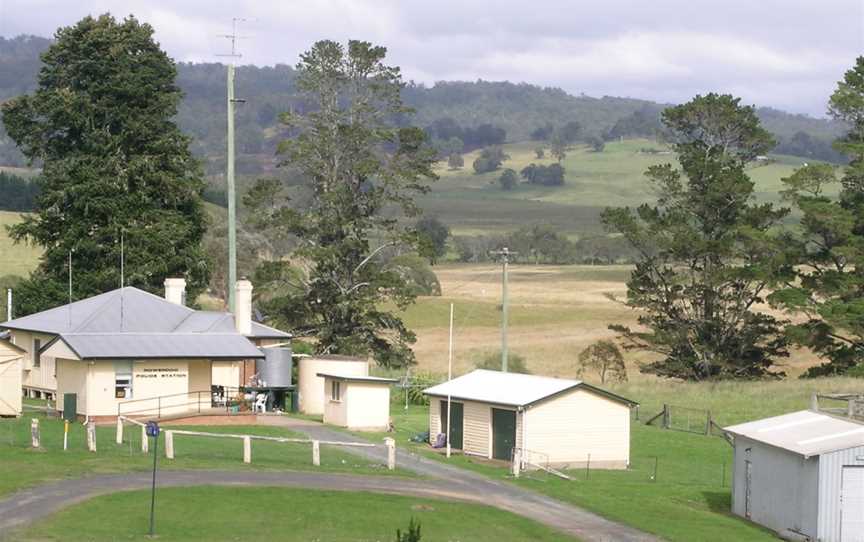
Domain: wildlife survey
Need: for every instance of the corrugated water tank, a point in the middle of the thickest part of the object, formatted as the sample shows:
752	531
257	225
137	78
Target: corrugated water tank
274	371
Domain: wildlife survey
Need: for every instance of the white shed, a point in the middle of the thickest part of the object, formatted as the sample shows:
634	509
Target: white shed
311	386
10	378
801	475
361	403
554	422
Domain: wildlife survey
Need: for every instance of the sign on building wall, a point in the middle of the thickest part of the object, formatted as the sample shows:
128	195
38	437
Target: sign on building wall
161	379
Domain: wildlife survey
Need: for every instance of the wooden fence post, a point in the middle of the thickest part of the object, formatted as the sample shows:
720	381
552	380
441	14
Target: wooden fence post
34	432
91	436
145	445
708	423
517	462
169	444
814	403
119	430
247	449
391	453
666	416
316	453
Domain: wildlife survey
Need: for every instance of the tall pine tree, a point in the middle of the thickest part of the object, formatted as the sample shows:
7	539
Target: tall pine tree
824	279
101	125
706	252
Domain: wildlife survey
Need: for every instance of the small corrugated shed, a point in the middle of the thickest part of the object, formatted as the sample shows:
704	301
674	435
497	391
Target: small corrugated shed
801	475
554	422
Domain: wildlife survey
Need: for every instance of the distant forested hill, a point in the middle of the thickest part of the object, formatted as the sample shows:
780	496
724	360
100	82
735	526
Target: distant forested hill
477	113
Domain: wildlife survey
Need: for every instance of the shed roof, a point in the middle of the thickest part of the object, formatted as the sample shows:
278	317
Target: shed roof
805	432
513	389
159	345
357	378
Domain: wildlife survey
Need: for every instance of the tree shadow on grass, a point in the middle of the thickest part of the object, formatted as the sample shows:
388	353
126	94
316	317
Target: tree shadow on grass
719	502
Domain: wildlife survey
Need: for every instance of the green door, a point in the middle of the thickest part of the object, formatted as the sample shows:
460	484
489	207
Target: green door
503	433
456	420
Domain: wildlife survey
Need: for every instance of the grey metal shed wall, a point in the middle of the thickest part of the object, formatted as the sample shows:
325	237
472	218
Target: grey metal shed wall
830	481
784	487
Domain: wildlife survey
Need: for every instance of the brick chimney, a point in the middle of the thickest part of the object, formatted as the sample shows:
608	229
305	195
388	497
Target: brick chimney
243	306
175	290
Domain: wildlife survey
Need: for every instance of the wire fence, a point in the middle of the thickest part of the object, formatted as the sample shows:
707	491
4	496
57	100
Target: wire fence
686	419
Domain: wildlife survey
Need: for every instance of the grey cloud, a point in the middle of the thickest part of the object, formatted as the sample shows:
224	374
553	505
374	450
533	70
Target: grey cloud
787	54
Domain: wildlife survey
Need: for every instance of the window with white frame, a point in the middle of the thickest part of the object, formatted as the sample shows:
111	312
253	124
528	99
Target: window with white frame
122	379
335	391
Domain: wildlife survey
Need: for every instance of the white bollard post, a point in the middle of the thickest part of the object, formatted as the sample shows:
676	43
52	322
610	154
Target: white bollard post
91	436
391	453
517	462
145	443
169	444
247	450
316	453
34	432
119	430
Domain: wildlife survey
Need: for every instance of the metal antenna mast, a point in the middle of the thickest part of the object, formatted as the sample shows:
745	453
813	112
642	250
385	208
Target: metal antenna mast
505	255
232	197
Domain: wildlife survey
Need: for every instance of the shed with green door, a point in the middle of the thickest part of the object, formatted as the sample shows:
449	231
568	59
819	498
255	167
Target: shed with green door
553	422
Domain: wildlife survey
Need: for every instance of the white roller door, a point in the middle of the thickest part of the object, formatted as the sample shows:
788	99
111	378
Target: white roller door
852	505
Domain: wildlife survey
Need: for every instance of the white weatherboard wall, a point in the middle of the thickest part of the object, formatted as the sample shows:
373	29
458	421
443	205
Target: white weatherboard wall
476	425
39	378
368	406
564	429
833	513
783	487
172	380
10	380
561	430
311	386
226	373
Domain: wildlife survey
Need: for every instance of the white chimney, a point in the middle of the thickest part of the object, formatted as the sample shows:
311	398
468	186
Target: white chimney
243	306
175	291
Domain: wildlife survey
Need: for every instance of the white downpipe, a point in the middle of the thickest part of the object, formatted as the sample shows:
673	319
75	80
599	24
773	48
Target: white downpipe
449	377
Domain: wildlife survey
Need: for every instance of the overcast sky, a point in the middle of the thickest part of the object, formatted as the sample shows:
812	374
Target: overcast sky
783	53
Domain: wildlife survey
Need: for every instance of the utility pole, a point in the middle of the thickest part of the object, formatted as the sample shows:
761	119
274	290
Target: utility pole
232	197
505	255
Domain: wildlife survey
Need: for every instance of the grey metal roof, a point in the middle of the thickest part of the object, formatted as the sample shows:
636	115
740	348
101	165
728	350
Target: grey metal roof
223	322
160	345
129	322
132	310
511	388
805	432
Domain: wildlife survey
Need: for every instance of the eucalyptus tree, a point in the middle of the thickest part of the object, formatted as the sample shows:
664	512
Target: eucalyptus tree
361	170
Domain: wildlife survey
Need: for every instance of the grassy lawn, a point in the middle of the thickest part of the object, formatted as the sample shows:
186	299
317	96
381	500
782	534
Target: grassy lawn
211	513
22	466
